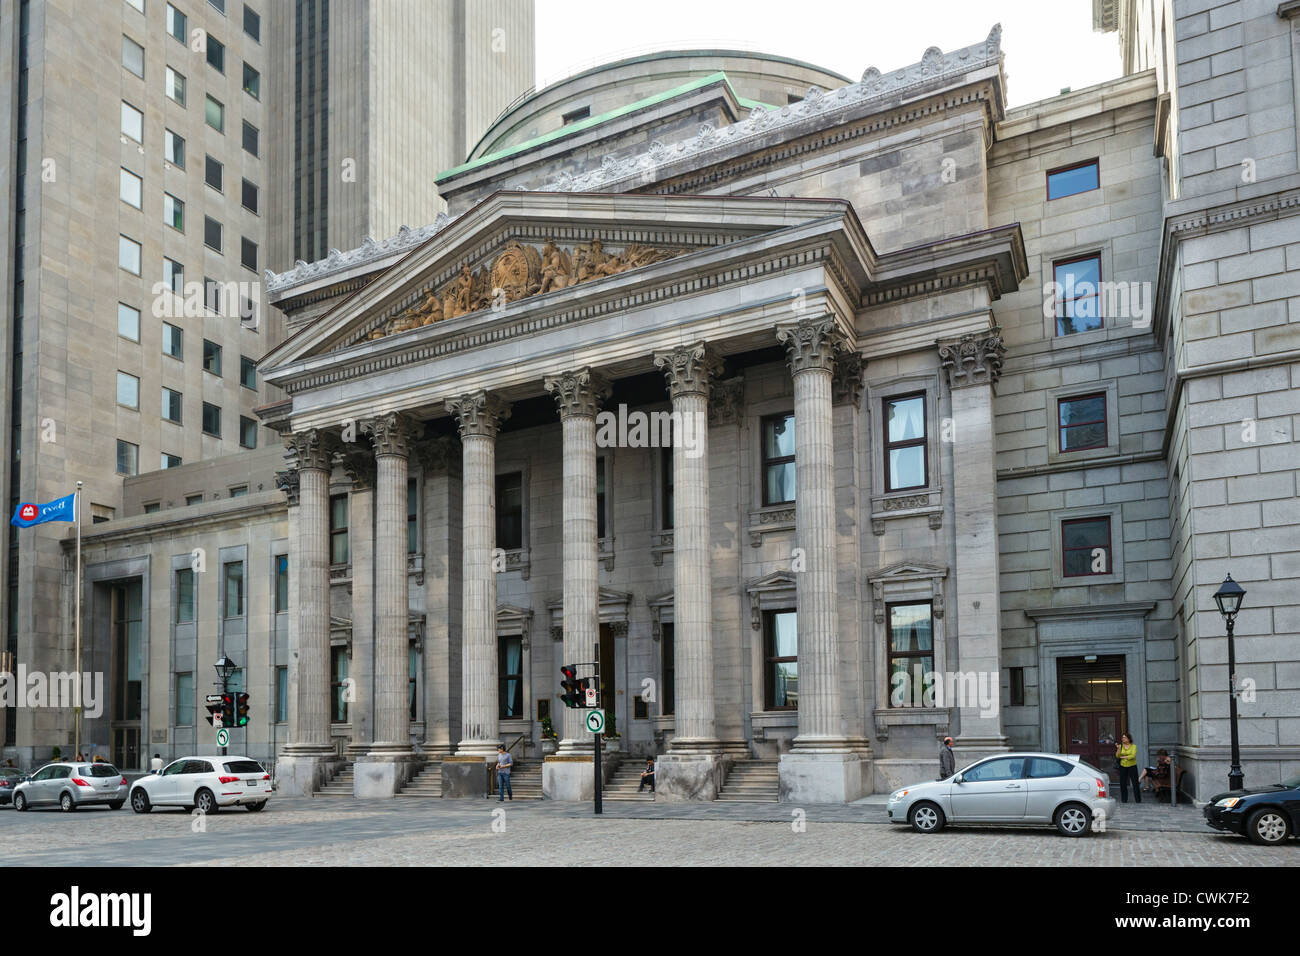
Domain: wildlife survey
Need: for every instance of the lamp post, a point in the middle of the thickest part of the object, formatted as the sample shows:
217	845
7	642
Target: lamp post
1229	598
226	667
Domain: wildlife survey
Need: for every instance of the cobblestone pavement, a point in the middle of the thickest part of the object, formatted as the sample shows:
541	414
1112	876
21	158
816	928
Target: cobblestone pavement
341	831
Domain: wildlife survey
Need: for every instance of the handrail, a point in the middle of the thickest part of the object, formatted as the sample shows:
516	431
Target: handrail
510	746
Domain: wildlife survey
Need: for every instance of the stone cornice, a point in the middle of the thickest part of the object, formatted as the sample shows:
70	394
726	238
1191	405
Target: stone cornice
578	393
688	368
973	359
392	434
479	414
812	344
369	251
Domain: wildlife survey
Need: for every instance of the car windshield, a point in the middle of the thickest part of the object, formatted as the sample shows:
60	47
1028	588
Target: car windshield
1293	783
244	766
99	770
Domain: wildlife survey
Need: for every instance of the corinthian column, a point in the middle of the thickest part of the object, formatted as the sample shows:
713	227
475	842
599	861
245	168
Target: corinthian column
479	415
822	767
302	768
971	365
578	395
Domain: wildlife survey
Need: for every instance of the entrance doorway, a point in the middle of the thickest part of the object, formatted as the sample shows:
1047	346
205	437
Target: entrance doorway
126	698
1093	708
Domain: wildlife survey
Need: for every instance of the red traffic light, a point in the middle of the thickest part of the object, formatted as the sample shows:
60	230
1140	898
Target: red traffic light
572	686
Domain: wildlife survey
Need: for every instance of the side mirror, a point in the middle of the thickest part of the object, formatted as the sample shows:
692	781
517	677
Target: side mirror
957	779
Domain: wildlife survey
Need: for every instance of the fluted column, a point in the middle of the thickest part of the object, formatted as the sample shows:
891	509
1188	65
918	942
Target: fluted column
578	394
688	369
310	733
479	415
811	346
359	463
392	437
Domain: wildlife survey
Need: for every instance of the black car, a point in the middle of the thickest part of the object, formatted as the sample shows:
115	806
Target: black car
9	777
1268	815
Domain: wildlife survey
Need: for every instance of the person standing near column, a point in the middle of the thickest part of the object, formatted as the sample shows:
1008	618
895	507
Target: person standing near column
505	763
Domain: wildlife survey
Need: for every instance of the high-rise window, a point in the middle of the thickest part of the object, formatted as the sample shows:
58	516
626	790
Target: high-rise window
220	5
905	443
132	122
174	275
781	652
250	138
130	188
172	403
128	390
252	82
128	255
128	322
1085	547
136	5
184	699
192	500
175	86
248	253
174	148
248	196
128	458
174	212
211	357
233	575
1078	294
213	173
338	529
1082	422
237	491
133	56
252	23
247	372
172	340
211	233
173	461
1069	180
176	24
214	114
184	595
281	583
778	459
247	432
510	511
216	51
212	419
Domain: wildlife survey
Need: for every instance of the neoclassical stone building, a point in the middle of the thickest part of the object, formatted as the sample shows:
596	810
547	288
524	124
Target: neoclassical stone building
829	425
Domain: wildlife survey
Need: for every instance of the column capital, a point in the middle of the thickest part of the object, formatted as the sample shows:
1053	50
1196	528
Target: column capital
313	448
726	399
812	344
688	368
437	456
287	482
479	413
578	393
392	433
974	359
359	464
847	379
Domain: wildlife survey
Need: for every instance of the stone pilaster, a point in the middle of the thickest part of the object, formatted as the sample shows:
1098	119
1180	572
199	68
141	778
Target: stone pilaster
822	767
304	764
359	464
479	415
971	365
691	770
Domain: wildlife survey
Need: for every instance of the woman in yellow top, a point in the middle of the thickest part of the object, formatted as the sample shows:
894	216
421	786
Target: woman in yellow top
1126	753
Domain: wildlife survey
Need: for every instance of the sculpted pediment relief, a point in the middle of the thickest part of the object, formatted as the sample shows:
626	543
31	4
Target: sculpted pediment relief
519	271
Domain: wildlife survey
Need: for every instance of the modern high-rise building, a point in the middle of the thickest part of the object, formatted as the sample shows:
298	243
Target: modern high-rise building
157	153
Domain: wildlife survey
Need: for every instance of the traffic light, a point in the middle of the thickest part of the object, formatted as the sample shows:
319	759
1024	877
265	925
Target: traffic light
572	684
241	710
214	715
228	710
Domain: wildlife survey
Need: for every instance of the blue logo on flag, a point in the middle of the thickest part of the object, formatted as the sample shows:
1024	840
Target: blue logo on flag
60	509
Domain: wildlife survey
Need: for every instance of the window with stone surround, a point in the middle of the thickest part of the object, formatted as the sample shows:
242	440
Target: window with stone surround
232	574
666	488
510	511
282	694
128	458
413	678
185	699
911	653
339	684
1077	294
778	459
412	515
668	671
281	583
1086	547
212	420
510	679
906	453
185	596
781	655
339	529
1073	179
1081	422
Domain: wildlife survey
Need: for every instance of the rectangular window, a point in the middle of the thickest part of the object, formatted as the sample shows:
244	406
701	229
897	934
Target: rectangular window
128	255
510	677
911	653
184	699
128	390
238	491
213	294
214	114
666	487
171	405
132	122
133	56
185	596
136	4
510	511
153	507
281	694
171	340
191	500
412	515
1082	422
248	195
233	576
128	322
781	650
130	188
248	253
905	443
175	87
339	684
220	5
778	459
174	149
247	432
247	372
1085	547
173	461
176	24
601	500
211	233
211	357
1078	294
575	115
281	583
216	54
250	138
174	212
338	529
667	692
1069	180
1017	681
174	275
252	23
252	82
213	173
212	419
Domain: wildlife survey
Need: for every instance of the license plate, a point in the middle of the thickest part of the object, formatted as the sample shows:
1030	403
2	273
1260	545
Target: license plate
252	783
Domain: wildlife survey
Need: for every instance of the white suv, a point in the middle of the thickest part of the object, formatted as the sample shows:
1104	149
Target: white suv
204	783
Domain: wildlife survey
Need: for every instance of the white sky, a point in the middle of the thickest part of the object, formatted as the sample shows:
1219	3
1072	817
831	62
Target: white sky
1049	44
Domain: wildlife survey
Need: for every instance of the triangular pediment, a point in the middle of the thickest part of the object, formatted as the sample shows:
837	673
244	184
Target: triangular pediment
518	250
907	569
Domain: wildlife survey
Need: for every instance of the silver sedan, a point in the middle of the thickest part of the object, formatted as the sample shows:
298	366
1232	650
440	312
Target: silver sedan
1054	789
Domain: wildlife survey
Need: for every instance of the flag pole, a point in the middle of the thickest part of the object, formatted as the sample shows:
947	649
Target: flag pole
76	745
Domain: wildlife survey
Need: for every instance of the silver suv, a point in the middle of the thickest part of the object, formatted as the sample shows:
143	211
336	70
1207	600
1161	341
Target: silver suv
72	785
1056	789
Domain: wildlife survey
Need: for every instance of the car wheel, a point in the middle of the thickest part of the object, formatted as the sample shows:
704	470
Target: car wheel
1073	820
115	805
66	803
20	802
205	802
925	818
254	807
140	801
1267	827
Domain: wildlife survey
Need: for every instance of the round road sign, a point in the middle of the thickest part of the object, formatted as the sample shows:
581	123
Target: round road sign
223	737
596	721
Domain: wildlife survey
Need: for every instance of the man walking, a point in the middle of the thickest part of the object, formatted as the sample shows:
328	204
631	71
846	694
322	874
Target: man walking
947	762
504	763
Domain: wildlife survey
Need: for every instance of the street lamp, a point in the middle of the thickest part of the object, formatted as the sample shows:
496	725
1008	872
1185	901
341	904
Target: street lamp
1229	598
225	669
